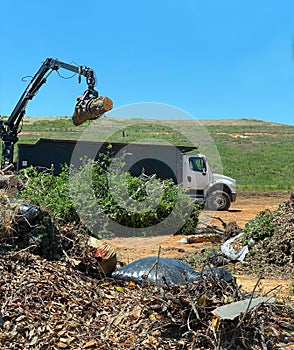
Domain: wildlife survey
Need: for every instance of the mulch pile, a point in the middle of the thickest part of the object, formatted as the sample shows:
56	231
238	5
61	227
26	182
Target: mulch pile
52	305
274	256
54	296
271	255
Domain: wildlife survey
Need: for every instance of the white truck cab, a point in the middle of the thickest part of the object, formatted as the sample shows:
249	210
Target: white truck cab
216	190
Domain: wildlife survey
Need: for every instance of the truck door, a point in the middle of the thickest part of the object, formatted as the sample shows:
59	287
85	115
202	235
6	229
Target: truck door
195	175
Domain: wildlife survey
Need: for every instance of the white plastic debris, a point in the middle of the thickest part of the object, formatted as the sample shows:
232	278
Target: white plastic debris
231	253
183	240
233	310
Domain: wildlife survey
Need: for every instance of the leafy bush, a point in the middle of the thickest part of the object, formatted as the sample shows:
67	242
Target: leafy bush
49	192
103	197
98	198
260	227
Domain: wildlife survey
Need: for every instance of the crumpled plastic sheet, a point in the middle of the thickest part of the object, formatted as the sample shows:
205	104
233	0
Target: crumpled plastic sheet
231	253
27	210
167	271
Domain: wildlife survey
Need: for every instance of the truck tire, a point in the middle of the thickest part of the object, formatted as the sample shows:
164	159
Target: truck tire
219	200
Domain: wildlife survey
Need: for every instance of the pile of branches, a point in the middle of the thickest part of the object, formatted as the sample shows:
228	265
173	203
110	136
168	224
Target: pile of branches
272	251
25	227
50	305
53	296
273	255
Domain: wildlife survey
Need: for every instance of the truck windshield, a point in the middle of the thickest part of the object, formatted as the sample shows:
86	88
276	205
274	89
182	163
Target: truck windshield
197	164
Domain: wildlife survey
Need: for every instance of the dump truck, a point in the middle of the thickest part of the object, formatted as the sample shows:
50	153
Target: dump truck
183	164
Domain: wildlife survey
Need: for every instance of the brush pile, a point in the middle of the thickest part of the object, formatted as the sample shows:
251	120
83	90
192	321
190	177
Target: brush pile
54	294
270	239
273	253
51	305
26	227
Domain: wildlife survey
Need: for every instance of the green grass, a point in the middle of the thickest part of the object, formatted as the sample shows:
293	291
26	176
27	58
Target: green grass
258	154
259	161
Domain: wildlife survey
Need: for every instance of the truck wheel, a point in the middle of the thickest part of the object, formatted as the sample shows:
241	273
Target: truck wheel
219	200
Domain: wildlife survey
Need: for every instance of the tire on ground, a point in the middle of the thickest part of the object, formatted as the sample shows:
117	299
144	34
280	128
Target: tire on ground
219	200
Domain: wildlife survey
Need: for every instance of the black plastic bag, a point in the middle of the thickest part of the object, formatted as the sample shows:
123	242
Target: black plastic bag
166	271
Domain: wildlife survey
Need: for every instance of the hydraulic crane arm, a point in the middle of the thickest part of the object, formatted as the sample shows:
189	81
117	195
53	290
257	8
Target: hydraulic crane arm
49	65
9	129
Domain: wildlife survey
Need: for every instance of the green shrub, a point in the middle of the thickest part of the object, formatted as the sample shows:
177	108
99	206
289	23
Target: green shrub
260	227
98	199
49	192
141	202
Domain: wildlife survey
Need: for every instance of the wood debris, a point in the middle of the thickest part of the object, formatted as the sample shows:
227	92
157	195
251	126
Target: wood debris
51	305
54	295
274	255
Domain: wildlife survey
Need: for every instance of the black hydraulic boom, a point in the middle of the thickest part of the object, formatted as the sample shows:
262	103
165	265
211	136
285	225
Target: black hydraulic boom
9	129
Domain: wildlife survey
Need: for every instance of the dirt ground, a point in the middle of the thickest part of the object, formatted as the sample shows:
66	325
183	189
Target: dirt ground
247	206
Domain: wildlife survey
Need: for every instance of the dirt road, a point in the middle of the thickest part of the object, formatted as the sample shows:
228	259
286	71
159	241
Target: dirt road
247	206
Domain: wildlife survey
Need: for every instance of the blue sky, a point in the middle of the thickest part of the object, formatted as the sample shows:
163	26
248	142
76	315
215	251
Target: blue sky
213	59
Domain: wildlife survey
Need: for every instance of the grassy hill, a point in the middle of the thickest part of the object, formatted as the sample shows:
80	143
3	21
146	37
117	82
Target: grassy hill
258	154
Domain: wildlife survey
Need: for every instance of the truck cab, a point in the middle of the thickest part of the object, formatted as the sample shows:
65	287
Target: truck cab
215	190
